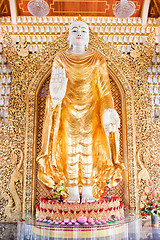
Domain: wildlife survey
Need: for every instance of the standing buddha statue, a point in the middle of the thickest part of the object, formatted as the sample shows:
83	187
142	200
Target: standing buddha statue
80	140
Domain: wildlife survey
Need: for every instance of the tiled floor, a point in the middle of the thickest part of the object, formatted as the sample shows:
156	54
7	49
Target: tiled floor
8	231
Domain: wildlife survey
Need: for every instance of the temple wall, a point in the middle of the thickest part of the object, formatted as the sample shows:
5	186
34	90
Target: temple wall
31	63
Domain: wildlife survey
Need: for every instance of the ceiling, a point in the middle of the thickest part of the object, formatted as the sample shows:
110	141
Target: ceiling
82	7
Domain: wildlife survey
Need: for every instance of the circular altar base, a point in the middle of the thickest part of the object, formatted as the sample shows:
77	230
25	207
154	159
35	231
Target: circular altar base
129	228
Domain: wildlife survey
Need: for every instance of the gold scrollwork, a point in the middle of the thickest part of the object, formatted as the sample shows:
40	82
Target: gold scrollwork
14	206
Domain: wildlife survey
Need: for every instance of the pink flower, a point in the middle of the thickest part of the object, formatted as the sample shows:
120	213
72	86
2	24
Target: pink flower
66	220
102	221
132	214
82	220
90	220
73	221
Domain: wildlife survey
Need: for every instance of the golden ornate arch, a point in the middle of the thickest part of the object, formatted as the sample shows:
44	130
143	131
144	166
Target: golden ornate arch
29	71
31	117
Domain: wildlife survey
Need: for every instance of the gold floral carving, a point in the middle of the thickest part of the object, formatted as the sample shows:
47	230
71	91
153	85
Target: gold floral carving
28	74
143	175
14	206
21	49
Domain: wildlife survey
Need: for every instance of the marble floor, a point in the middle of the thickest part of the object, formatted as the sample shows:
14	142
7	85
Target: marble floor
8	231
149	233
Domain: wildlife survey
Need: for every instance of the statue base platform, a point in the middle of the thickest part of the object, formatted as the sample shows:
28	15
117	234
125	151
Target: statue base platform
103	209
128	228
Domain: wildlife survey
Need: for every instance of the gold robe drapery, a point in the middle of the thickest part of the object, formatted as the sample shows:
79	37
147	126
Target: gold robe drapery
75	147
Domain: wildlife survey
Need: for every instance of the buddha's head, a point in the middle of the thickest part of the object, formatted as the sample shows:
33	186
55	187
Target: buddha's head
78	34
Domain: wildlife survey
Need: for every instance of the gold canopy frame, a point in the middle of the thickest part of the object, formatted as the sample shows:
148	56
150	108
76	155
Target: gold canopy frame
20	133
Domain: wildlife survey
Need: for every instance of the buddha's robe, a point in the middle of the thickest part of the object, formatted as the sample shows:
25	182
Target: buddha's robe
75	147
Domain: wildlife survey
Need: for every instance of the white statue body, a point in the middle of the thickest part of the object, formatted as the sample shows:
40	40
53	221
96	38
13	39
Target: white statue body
78	40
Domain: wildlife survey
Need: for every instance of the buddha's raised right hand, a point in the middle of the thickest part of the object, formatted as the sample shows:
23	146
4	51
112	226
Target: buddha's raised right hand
58	85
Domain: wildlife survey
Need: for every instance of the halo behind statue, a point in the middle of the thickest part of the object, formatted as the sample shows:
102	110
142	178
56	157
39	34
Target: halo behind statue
124	9
38	8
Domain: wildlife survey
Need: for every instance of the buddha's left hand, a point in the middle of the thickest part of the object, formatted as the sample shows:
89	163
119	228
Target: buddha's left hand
111	121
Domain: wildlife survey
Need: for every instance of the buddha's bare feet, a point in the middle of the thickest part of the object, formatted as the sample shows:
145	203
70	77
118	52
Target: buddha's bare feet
87	194
73	195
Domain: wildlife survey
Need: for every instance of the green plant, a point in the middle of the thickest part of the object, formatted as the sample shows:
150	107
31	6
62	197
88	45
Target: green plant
59	191
151	201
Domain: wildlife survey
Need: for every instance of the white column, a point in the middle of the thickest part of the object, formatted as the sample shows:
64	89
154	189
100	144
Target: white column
13	11
145	11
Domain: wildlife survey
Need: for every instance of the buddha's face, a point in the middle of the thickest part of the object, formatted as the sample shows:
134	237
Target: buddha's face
78	34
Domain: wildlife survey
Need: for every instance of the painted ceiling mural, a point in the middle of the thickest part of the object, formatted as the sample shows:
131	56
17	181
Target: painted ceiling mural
4	8
82	7
154	10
